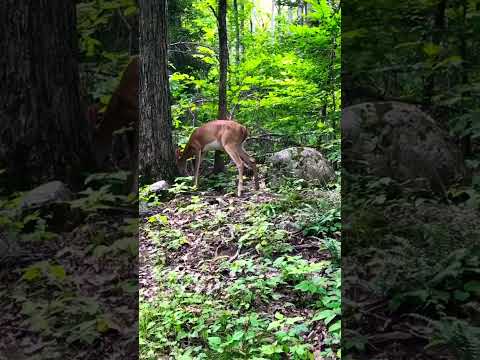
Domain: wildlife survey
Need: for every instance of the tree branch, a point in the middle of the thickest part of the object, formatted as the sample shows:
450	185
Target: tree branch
214	12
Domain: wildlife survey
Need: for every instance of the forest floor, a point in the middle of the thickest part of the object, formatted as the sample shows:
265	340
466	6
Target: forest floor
250	277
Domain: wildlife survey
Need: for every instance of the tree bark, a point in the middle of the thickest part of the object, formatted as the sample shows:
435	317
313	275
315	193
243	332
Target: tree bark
43	132
223	54
466	141
156	150
438	29
222	83
300	12
253	19
242	25
237	32
290	13
272	24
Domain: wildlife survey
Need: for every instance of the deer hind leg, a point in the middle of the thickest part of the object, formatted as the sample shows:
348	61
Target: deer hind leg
234	155
198	161
250	162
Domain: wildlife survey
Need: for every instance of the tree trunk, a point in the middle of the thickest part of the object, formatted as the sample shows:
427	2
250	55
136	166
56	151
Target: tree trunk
466	141
333	55
253	19
237	32
272	24
438	29
43	133
300	12
290	13
223	53
242	25
222	83
156	150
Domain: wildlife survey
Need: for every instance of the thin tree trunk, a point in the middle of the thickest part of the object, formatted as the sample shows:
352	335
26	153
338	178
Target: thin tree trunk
290	13
272	24
43	133
300	12
222	83
438	28
242	25
223	54
157	153
253	19
466	140
237	32
332	77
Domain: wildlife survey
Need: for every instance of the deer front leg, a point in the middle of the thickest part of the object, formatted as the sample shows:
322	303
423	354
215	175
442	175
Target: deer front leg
197	166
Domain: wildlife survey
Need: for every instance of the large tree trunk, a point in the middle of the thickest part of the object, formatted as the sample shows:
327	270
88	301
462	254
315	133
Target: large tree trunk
43	133
157	153
222	83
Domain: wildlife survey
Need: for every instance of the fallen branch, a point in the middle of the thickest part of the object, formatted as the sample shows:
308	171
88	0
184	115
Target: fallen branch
234	257
271	137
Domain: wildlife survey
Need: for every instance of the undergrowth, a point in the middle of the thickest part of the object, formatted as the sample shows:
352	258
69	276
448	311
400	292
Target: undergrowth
261	279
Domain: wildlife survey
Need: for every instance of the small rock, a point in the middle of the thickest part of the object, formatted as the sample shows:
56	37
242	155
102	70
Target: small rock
161	185
288	226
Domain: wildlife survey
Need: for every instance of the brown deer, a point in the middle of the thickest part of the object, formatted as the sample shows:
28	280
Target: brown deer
226	135
122	111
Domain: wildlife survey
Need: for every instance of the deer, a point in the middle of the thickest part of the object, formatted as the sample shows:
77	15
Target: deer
122	111
226	135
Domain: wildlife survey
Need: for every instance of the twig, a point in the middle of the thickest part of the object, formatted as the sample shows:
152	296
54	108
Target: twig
216	250
191	43
234	257
127	24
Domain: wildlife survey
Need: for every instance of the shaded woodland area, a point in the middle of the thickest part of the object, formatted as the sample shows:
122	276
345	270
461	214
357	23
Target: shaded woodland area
410	180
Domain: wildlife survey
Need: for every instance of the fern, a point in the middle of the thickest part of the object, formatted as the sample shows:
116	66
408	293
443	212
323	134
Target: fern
459	336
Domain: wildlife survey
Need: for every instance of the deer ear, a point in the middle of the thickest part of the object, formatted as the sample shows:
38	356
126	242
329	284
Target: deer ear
177	153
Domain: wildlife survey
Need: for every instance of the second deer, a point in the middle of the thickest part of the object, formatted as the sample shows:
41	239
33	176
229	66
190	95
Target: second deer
226	135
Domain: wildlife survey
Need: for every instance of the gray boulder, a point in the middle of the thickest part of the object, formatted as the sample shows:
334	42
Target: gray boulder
51	200
46	194
159	186
397	140
303	163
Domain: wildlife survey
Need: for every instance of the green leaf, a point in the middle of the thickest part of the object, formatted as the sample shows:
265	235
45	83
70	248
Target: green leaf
57	271
472	286
271	349
431	49
215	342
32	273
461	295
335	327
